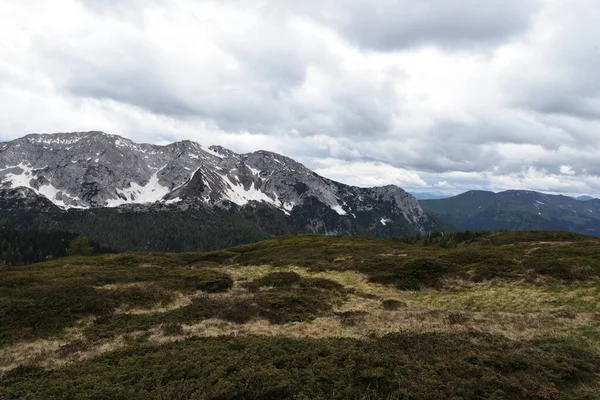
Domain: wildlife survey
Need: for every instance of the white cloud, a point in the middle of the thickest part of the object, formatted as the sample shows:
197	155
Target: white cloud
566	170
368	173
443	185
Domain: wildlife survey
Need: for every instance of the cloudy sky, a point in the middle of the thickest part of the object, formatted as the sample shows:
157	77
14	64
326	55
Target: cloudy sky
431	95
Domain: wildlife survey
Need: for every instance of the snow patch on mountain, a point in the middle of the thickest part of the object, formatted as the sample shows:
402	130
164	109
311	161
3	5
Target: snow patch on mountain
22	174
338	209
149	193
213	153
236	193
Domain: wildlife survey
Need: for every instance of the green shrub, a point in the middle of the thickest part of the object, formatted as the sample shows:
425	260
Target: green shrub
287	297
80	246
512	237
552	267
72	347
172	329
219	256
275	279
282	308
40	301
201	308
140	296
565	268
43	311
392	304
421	272
205	280
499	267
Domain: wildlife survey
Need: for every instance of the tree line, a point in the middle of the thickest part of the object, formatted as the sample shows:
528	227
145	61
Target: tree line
22	247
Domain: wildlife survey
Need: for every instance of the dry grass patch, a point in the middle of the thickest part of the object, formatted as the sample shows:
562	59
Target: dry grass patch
349	279
379	323
56	353
180	300
507	297
30	353
369	325
42	350
358	303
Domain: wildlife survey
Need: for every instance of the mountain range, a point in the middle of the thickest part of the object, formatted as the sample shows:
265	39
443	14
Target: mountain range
82	181
517	210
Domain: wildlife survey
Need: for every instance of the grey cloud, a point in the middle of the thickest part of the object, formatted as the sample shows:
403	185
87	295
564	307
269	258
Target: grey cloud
568	101
130	87
561	77
424	152
233	104
397	24
475	147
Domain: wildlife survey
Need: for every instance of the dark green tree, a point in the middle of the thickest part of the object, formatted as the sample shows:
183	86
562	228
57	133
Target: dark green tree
80	246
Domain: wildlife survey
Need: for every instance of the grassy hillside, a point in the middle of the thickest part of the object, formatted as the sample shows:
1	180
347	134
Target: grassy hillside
517	210
514	315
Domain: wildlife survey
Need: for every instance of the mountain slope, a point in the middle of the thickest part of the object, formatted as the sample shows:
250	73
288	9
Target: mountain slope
71	176
517	210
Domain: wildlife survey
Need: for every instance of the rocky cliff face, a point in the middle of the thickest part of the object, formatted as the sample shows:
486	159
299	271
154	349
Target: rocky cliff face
89	170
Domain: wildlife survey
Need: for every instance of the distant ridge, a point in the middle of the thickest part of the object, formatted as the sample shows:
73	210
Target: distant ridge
430	195
584	198
517	210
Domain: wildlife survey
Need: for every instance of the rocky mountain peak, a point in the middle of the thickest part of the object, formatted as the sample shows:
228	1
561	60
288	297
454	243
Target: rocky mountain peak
96	169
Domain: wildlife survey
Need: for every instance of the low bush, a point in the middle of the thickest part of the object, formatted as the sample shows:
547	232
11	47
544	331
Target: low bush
144	296
284	297
421	272
392	304
565	268
408	366
275	279
172	329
